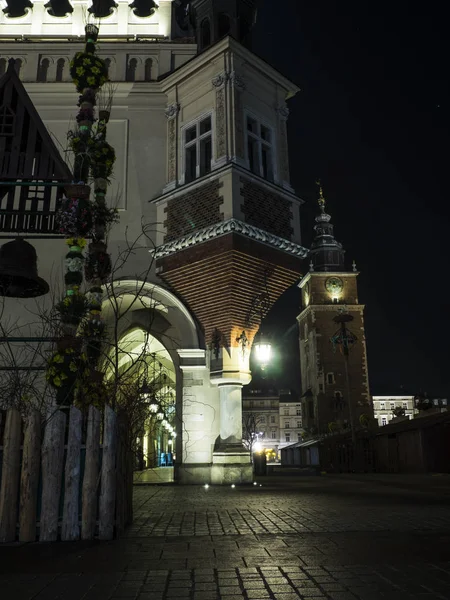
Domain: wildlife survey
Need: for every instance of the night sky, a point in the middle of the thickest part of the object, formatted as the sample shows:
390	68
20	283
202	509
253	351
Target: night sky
372	123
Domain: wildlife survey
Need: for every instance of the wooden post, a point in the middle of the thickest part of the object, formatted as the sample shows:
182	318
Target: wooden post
10	476
31	463
52	468
108	477
91	476
70	525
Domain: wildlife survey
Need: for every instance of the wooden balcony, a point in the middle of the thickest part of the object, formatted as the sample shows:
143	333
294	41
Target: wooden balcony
27	208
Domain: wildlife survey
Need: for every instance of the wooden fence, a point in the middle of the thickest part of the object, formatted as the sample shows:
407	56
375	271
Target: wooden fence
67	478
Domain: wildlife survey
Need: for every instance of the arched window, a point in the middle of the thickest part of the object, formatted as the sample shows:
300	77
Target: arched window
2	66
205	34
148	69
60	69
224	25
43	70
131	70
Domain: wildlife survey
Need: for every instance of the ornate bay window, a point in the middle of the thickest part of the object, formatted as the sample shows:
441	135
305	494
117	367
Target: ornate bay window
197	148
260	155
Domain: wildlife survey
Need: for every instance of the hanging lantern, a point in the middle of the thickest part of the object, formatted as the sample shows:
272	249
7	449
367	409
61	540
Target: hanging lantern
18	271
263	349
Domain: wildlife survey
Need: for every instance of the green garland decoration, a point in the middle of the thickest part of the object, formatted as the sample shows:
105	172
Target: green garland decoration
88	71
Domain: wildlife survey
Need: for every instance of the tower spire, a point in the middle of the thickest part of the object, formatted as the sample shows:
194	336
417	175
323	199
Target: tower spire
321	200
326	253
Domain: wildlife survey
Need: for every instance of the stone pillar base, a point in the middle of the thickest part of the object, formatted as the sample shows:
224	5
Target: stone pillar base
192	474
219	473
231	467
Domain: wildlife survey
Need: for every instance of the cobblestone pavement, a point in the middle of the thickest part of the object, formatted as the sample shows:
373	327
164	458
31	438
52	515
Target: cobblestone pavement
332	537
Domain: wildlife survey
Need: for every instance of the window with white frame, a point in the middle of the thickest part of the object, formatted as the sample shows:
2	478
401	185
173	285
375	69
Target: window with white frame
272	419
197	148
288	436
287	425
286	411
383	421
274	435
260	148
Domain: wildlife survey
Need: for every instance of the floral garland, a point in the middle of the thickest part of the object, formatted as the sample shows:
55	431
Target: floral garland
70	371
75	217
103	158
73	308
88	71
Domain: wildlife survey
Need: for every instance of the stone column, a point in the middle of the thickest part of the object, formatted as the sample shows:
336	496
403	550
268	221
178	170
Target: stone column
231	461
230	415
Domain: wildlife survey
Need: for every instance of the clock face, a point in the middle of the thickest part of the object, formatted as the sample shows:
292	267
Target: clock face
334	285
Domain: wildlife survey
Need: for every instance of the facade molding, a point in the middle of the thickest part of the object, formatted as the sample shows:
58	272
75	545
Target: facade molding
169	192
307	277
326	308
230	226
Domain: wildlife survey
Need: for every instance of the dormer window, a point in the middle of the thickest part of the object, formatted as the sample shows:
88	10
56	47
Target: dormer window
197	142
260	149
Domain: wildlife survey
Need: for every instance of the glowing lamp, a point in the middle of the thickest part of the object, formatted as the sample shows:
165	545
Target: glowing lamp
263	349
153	406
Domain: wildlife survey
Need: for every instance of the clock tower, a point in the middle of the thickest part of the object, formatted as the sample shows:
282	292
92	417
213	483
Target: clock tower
335	387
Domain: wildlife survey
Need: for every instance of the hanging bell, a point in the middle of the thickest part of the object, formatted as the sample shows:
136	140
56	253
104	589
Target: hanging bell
18	271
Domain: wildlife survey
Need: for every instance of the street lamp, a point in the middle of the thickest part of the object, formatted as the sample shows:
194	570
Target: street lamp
146	393
263	349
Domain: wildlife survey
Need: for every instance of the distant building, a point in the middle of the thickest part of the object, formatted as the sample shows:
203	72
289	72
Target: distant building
291	423
414	406
383	407
263	404
277	416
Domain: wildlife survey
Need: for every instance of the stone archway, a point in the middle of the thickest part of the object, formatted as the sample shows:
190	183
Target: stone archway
150	334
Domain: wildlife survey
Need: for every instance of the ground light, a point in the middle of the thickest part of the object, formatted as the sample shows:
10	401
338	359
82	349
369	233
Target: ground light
232	485
206	486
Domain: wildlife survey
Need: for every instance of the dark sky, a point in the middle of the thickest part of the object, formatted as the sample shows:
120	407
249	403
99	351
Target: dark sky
372	122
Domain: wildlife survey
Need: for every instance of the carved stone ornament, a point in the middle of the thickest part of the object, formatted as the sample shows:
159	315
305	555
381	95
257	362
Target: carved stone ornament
230	226
283	112
237	81
220	123
220	80
172	110
172	166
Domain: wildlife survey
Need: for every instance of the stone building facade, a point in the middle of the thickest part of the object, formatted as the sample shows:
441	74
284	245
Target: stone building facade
199	125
